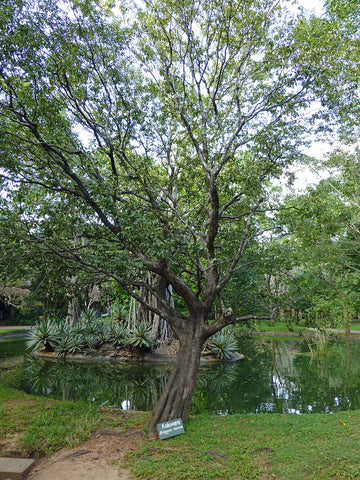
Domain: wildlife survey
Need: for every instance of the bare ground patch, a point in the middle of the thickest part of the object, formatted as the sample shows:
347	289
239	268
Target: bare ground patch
100	457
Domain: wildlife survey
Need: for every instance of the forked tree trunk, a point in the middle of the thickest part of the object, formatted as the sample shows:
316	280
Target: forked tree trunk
175	401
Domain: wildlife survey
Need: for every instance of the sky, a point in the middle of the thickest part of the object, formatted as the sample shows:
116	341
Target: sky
305	176
315	5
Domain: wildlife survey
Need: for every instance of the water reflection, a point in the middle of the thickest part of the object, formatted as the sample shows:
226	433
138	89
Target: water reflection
11	348
132	387
284	377
276	376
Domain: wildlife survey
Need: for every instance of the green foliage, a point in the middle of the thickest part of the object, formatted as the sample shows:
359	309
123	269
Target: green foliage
119	334
44	426
141	337
42	336
101	330
247	290
119	312
228	109
322	246
62	346
91	332
346	13
223	344
89	315
77	343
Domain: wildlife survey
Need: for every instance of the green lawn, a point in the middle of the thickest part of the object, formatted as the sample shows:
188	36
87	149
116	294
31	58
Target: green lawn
7	330
44	426
282	326
260	446
234	447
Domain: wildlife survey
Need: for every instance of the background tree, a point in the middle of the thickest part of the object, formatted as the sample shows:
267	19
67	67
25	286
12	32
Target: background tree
323	278
161	137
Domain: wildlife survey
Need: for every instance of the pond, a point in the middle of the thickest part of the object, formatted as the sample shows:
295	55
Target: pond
275	376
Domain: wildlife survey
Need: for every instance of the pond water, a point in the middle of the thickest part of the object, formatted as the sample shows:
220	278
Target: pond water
275	376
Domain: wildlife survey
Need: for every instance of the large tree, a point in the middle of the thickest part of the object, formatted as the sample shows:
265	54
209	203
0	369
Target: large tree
159	129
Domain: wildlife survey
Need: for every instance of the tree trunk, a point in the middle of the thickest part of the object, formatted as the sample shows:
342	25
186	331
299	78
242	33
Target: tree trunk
138	313
346	315
73	315
175	401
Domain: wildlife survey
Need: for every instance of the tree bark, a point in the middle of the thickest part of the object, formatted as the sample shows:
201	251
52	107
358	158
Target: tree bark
346	315
175	401
73	315
139	313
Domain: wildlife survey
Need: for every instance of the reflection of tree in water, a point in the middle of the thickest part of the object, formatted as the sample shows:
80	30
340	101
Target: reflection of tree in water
130	386
275	376
332	379
303	383
283	376
39	379
11	348
214	382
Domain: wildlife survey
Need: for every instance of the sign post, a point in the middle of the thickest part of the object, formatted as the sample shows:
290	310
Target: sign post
170	428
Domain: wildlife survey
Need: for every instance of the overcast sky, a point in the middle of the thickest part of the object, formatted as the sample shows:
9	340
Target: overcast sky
316	5
304	175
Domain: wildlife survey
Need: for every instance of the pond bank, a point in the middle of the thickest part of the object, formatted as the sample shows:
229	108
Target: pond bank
13	332
117	357
311	333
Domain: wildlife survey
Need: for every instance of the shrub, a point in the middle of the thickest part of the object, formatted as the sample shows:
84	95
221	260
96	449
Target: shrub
63	338
119	312
62	330
89	315
103	332
118	335
223	344
77	343
42	336
141	337
62	347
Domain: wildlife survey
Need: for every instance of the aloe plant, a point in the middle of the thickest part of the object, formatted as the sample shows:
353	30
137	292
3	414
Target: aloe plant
223	344
89	315
42	336
141	337
118	335
62	347
77	343
119	312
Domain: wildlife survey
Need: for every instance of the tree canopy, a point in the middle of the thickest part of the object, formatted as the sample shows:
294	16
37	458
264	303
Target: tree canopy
147	141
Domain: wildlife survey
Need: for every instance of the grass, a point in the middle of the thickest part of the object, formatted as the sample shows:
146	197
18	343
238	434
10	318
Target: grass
282	326
263	446
256	447
42	426
7	330
266	326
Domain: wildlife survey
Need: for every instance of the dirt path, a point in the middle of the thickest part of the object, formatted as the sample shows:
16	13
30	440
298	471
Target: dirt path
101	457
